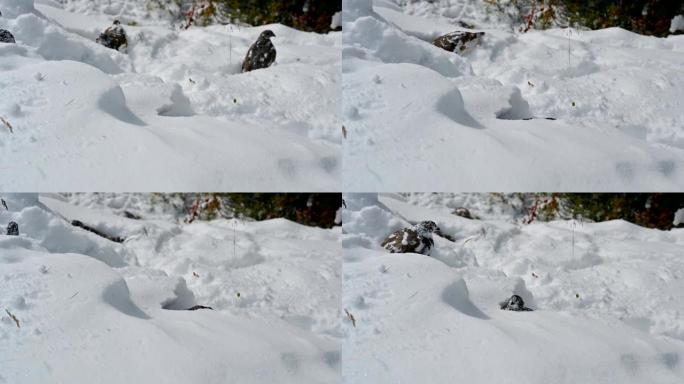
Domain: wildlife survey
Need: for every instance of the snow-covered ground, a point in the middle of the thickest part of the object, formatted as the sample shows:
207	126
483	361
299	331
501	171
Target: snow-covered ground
607	298
420	118
92	310
173	114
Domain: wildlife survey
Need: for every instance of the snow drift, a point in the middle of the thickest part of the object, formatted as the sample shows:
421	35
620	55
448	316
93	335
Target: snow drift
92	310
606	299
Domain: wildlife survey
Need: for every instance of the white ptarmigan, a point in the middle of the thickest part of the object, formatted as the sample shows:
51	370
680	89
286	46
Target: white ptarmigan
417	239
262	54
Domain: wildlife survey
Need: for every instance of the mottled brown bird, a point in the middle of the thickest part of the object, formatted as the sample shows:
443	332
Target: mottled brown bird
262	54
417	239
114	37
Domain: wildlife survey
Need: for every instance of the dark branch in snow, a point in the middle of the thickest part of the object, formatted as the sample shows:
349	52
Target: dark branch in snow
13	317
88	228
7	124
350	317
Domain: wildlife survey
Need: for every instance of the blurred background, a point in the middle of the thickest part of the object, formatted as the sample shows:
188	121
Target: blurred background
650	210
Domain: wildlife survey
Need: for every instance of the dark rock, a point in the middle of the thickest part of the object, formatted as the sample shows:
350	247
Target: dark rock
417	239
6	37
458	41
131	215
515	303
262	54
196	307
12	229
463	212
463	24
114	37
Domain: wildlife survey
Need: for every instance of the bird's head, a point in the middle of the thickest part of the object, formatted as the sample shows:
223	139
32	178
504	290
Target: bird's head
267	34
427	228
117	22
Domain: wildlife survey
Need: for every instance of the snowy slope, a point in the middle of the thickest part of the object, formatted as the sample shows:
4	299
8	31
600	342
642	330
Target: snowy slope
91	310
607	309
174	113
419	116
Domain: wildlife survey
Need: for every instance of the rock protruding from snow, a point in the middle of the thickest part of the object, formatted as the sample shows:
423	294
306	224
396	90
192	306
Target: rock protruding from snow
114	37
6	36
12	229
459	41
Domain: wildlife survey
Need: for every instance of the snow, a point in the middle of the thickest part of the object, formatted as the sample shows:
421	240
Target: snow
174	113
606	298
91	310
679	217
677	24
604	106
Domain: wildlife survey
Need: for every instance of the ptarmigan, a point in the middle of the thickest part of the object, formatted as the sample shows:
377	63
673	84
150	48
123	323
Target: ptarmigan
417	239
261	54
12	229
6	36
515	303
114	37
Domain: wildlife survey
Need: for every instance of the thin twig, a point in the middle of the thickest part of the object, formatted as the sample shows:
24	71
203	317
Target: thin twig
350	317
7	124
13	317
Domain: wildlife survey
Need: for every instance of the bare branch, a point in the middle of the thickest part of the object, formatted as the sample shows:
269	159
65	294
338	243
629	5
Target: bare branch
13	317
7	124
350	317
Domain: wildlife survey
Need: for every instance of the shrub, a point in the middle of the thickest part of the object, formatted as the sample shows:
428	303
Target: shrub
655	210
306	15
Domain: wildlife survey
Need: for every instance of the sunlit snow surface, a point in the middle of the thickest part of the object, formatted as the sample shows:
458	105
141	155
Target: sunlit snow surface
174	113
607	298
423	119
91	310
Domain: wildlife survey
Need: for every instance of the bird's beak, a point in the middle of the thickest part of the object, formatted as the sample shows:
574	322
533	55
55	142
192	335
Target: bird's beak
438	231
